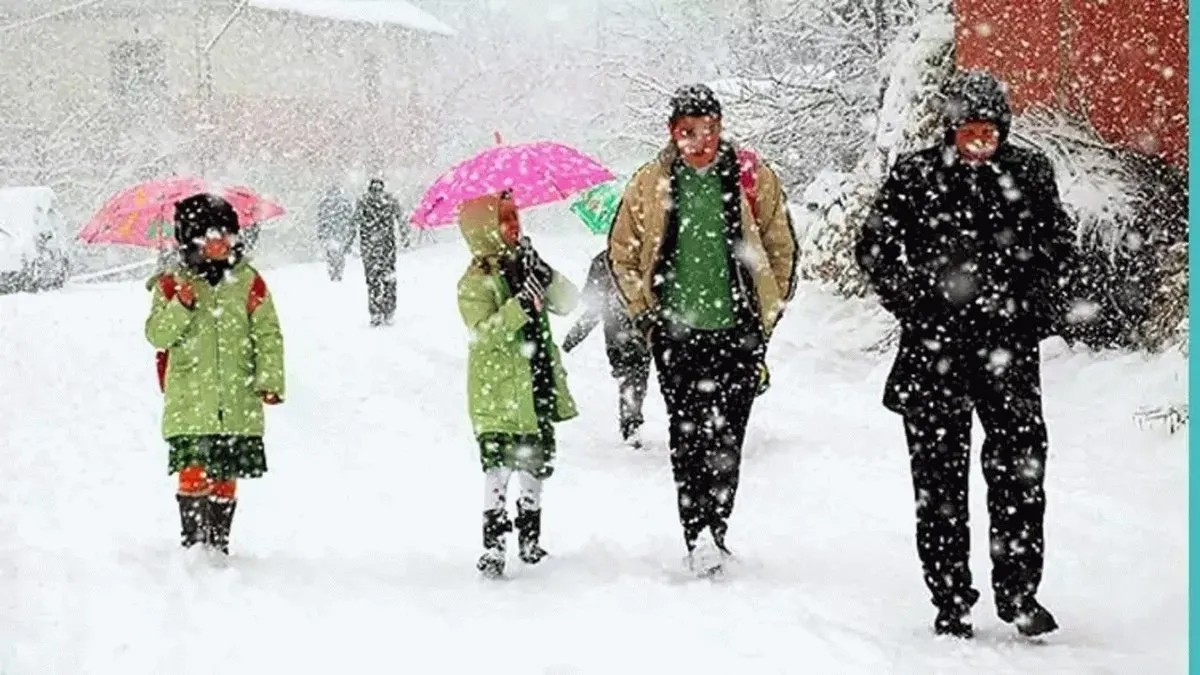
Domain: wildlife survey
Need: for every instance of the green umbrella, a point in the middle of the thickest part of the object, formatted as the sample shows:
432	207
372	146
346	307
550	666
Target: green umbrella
597	206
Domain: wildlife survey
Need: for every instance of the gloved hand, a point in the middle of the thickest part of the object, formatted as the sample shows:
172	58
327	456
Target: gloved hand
532	298
271	398
532	264
647	323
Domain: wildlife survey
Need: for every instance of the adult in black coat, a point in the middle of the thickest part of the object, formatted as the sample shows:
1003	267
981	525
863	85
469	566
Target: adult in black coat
378	220
628	355
969	248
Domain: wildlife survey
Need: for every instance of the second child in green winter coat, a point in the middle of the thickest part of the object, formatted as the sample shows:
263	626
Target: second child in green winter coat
516	385
220	360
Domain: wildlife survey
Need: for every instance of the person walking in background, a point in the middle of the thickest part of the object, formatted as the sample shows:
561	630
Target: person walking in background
703	254
968	248
220	361
335	233
628	355
516	385
378	221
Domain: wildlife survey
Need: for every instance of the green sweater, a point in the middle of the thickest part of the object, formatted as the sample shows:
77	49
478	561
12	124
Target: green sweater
700	294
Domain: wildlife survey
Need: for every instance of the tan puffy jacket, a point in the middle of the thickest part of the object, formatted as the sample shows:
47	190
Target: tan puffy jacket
636	240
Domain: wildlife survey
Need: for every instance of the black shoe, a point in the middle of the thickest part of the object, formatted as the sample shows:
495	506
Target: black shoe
1028	615
193	520
495	525
529	531
220	522
954	616
954	621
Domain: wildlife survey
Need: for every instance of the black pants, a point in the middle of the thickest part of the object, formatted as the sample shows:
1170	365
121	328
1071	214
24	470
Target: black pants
708	382
1009	405
381	289
632	383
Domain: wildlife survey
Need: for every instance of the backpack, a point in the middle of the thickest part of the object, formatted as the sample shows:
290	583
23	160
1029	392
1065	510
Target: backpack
258	293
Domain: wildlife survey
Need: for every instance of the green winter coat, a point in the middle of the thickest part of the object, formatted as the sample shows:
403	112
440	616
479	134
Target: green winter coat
499	377
223	354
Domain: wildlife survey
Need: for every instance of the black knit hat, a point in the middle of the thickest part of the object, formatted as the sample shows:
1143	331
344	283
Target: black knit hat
196	215
977	96
694	100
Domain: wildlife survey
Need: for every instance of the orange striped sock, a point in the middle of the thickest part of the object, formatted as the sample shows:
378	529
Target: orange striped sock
224	489
193	482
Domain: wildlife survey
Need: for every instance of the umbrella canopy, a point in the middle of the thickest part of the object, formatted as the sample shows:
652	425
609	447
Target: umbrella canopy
597	206
535	173
143	215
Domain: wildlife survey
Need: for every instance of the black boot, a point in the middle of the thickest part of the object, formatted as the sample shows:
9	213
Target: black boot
1028	615
192	519
954	617
220	521
529	531
719	529
495	525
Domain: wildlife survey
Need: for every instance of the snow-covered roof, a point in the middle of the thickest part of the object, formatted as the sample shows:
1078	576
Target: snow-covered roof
394	12
24	212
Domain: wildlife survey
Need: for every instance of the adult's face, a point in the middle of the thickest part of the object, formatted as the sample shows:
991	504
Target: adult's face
697	139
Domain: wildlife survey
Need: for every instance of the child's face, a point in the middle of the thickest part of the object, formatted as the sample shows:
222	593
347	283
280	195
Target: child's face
510	223
217	245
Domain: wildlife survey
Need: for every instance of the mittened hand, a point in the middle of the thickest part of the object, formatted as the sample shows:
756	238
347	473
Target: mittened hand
186	295
271	398
531	301
535	268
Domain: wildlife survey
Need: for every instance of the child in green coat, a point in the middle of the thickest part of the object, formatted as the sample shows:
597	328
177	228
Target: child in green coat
516	385
220	361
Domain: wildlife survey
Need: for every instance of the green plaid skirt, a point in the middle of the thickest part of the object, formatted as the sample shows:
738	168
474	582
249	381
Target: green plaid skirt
533	453
223	457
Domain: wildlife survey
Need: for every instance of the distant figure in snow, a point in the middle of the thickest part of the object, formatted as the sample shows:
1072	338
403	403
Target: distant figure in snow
703	254
628	355
335	232
378	221
969	248
516	385
220	360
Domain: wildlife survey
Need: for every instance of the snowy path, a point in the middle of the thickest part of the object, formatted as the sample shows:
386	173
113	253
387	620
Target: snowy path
355	554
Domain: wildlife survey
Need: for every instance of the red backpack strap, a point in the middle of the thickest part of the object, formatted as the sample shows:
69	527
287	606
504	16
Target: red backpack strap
161	358
748	163
258	294
168	286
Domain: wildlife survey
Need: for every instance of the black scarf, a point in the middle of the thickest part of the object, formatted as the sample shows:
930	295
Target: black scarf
537	333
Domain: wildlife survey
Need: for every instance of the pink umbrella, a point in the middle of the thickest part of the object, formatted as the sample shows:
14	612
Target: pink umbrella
536	173
143	215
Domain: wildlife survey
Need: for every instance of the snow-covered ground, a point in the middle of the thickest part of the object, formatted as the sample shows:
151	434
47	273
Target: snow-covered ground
355	553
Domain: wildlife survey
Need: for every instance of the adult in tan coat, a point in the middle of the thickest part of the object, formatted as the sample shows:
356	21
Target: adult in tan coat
703	253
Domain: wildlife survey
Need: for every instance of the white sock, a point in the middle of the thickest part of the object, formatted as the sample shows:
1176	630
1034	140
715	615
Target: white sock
531	491
495	487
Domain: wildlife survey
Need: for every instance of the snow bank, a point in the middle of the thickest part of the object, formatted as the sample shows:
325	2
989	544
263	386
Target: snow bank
911	59
24	212
395	12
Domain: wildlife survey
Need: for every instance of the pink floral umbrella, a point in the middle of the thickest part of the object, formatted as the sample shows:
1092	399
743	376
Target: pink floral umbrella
143	215
535	173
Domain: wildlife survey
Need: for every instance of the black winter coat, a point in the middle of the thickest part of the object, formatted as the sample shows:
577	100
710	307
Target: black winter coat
968	258
623	341
378	220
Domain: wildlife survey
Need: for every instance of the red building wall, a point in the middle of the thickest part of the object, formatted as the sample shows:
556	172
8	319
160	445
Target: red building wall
1122	64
